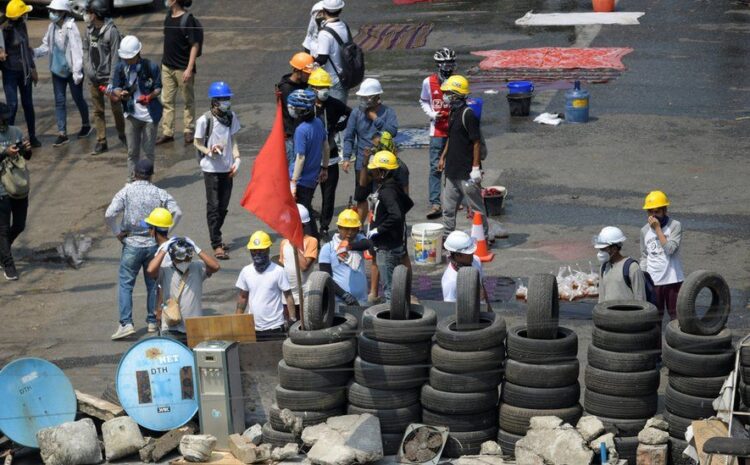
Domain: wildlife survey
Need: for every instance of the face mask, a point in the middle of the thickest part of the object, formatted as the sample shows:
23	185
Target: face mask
366	103
292	111
322	94
445	70
182	266
663	221
602	256
447	98
54	17
225	105
261	261
88	18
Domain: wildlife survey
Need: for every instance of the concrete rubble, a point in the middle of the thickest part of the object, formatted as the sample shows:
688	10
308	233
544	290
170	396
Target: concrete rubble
652	455
653	437
291	421
549	441
156	449
480	460
344	440
653	447
121	437
490	448
282	453
71	443
657	422
254	434
197	447
590	427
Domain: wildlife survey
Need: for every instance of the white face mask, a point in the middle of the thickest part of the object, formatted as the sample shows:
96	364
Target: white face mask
54	17
602	256
225	105
322	94
182	266
292	111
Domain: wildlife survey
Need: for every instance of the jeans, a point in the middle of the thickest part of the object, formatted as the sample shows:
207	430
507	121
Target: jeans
388	260
290	155
454	193
97	100
131	262
12	223
59	86
328	192
305	197
13	83
140	134
218	194
171	80
436	177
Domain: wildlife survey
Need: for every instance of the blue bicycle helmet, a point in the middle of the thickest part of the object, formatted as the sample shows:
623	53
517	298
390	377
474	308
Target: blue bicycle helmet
302	98
219	89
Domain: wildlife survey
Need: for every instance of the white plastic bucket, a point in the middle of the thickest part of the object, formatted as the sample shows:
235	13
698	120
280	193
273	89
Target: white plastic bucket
428	243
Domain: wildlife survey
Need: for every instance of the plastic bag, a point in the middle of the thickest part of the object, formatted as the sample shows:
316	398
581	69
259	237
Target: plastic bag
521	291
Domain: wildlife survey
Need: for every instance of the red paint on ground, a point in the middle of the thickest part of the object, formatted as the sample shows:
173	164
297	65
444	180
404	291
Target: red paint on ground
554	58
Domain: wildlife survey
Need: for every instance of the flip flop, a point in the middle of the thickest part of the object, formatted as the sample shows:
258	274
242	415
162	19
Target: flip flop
220	254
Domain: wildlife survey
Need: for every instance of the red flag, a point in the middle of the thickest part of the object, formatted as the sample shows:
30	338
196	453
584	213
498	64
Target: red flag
268	195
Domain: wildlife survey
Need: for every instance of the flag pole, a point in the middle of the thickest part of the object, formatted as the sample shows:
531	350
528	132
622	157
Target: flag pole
299	287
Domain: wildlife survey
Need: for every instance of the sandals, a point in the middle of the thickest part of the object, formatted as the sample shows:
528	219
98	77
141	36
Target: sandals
220	253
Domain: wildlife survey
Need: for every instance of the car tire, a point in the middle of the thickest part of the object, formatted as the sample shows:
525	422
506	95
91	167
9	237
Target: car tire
620	361
320	302
698	365
401	293
634	341
468	286
392	353
301	379
507	441
322	356
319	400
467	443
697	344
369	398
627	447
516	419
623	426
676	457
543	308
715	318
309	417
376	324
542	376
390	377
490	333
392	420
451	361
477	381
391	443
540	398
344	327
677	424
633	408
699	387
453	403
688	406
461	423
542	351
625	316
277	438
636	383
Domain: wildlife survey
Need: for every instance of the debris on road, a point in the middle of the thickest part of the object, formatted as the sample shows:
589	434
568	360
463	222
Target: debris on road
156	449
554	445
97	408
254	434
197	448
550	119
121	437
71	443
344	440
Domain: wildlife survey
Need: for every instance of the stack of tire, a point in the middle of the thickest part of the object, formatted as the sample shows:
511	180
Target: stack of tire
466	371
393	361
622	380
541	372
316	366
699	355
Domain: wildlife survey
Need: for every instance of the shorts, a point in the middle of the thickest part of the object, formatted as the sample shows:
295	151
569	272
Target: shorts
360	192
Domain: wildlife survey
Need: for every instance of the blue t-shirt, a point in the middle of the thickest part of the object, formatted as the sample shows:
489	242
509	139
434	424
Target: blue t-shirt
308	141
353	282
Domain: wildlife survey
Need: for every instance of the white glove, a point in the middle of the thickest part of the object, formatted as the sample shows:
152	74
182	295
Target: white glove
236	164
372	233
476	174
165	246
193	245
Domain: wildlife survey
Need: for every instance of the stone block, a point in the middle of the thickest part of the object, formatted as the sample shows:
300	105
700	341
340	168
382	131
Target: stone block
254	434
545	422
590	427
657	422
197	447
560	446
344	440
282	453
490	448
242	449
156	449
652	455
121	437
71	443
653	437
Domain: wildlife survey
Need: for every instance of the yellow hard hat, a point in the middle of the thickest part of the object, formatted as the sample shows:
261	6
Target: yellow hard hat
260	240
655	199
160	218
457	84
349	219
386	142
320	78
384	160
16	9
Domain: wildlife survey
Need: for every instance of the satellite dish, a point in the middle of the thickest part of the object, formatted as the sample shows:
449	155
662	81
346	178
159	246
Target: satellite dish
35	395
156	384
422	444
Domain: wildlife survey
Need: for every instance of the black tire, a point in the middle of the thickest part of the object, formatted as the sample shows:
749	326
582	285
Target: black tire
625	316
401	293
277	438
622	426
365	397
467	362
309	417
468	286
636	383
716	316
322	356
745	356
477	381
619	361
301	379
452	403
392	421
636	341
633	408
390	377
627	448
377	324
542	376
391	443
508	442
392	353
490	333
677	424
320	301
467	443
699	387
676	457
319	400
461	423
543	309
698	365
696	344
688	406
344	327
516	419
540	398
542	351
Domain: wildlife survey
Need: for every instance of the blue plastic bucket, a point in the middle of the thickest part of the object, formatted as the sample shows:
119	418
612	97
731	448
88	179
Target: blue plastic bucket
475	103
520	87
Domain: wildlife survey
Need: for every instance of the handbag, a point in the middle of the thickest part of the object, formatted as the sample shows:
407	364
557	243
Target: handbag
172	314
14	176
58	64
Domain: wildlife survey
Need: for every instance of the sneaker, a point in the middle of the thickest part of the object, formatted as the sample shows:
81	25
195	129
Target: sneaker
61	140
435	212
35	143
164	139
10	273
152	328
124	331
123	139
84	132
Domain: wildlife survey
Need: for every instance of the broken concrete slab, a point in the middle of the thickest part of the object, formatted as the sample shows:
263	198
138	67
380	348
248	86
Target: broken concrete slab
121	437
652	455
242	449
156	449
490	448
559	446
263	453
480	460
608	440
254	434
344	440
71	443
528	457
590	427
549	422
197	447
653	436
282	453
657	422
98	408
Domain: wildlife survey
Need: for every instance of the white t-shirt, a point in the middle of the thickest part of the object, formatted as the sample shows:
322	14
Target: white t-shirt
664	269
266	289
450	277
327	45
191	297
220	134
141	111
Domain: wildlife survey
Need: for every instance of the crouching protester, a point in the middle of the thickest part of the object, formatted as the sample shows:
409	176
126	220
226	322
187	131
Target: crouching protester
461	248
180	280
343	259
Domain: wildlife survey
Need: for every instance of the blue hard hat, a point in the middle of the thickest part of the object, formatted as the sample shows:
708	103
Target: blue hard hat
219	89
302	98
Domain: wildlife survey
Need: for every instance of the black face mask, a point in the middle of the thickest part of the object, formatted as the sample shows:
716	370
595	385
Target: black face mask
663	221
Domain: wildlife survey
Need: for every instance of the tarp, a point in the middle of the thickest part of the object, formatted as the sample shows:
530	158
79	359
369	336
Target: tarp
554	58
389	36
579	19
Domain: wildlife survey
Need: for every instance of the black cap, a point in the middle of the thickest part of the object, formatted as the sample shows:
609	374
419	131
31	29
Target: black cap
144	167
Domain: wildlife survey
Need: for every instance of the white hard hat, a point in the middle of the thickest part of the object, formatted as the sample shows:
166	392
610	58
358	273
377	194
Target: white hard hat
459	241
59	5
333	5
609	235
370	87
303	213
316	8
129	47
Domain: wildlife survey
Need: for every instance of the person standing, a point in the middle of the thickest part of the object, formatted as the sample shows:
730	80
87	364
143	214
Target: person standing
19	69
62	43
616	282
660	252
310	44
461	248
183	41
220	159
15	151
342	258
438	111
137	83
328	51
305	257
100	45
138	200
301	64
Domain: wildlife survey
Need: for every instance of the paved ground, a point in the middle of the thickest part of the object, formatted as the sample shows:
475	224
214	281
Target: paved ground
676	120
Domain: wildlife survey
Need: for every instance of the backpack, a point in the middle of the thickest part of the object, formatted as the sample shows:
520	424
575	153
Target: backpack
14	176
352	58
647	280
482	143
198	29
209	127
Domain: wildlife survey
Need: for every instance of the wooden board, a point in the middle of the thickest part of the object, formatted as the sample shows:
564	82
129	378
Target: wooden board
240	328
703	430
217	458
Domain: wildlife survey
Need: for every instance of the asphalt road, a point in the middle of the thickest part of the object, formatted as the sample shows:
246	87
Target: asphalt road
676	120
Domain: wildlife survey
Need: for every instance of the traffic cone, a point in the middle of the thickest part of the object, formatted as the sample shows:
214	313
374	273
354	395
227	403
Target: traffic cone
477	233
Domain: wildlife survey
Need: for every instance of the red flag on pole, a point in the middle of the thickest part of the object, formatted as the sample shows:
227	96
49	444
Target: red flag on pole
268	195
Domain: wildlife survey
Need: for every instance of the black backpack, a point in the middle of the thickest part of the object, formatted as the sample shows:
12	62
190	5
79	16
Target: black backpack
198	28
647	280
352	58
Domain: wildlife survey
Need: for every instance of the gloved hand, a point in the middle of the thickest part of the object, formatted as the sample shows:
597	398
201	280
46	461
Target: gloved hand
350	299
144	99
165	246
476	174
193	245
372	233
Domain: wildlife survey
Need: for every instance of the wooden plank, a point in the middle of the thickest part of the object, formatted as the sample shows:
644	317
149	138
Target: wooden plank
97	408
240	328
217	458
703	430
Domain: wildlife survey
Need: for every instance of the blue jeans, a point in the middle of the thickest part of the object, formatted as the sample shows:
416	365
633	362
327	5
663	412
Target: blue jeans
436	177
388	260
13	83
131	262
59	86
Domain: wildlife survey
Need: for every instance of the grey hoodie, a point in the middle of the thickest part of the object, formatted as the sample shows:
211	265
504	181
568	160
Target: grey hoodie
100	52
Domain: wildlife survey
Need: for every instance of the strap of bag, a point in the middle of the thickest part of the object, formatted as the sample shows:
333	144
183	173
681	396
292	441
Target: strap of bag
183	23
183	281
338	40
626	272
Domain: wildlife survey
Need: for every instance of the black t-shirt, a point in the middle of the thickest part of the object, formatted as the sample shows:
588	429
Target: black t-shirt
179	41
286	87
460	155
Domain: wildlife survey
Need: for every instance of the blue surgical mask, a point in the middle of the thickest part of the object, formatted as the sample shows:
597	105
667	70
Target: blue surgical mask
225	105
54	17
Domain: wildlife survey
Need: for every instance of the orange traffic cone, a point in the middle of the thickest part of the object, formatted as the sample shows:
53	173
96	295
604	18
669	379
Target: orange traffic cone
477	232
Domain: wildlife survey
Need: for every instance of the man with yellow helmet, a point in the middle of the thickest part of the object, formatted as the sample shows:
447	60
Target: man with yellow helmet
343	259
660	252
